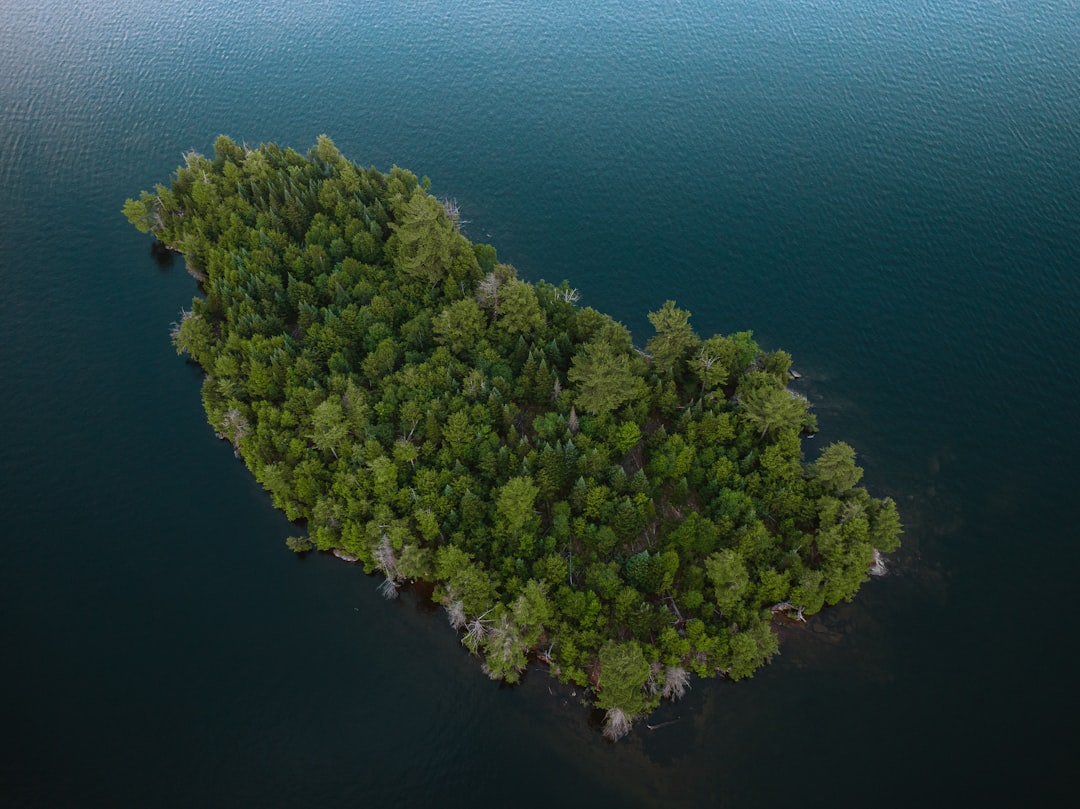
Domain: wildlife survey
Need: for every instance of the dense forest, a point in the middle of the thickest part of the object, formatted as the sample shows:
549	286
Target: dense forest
627	515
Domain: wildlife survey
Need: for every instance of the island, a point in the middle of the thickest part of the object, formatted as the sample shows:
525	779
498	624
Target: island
627	515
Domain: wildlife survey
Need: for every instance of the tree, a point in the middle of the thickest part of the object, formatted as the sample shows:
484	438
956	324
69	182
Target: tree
425	240
519	310
835	469
746	350
459	325
604	378
623	672
504	648
515	503
328	429
750	650
727	572
770	408
141	212
194	336
885	526
674	338
713	362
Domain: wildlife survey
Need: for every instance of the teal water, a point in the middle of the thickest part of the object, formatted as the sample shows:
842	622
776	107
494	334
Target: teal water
889	190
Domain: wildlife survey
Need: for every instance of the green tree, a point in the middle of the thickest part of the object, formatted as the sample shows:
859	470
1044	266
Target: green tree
835	468
713	361
515	503
727	572
459	325
425	242
674	339
604	378
519	310
773	409
328	428
751	649
623	672
142	212
885	527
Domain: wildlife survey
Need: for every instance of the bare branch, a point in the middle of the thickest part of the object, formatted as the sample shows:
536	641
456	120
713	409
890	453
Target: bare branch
676	682
616	724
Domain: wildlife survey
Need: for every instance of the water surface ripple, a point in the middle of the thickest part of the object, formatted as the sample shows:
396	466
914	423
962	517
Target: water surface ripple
890	190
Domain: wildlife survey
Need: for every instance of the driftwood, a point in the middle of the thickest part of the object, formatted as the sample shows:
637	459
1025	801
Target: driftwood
877	565
786	607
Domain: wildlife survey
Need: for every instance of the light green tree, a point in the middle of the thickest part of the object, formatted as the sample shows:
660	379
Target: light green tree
424	239
713	361
835	469
604	378
674	339
514	503
459	325
770	409
519	310
328	427
623	672
727	572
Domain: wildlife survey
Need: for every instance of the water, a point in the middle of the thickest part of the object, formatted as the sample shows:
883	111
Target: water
889	190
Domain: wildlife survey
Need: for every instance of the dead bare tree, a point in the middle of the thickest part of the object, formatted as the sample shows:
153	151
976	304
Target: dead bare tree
877	564
386	561
652	685
616	724
174	328
389	589
476	631
676	682
487	292
455	613
786	607
233	428
453	212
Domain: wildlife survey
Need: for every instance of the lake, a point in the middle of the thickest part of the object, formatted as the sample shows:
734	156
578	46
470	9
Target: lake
888	190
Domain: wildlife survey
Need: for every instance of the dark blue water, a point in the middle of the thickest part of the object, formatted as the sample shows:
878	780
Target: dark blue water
889	190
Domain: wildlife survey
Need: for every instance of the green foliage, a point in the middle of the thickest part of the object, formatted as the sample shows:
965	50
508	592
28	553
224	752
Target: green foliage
749	650
604	378
770	408
140	212
623	672
427	412
727	572
885	528
519	309
299	544
426	244
674	339
713	362
460	325
835	469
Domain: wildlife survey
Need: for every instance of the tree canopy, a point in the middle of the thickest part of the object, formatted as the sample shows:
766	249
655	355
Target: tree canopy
627	516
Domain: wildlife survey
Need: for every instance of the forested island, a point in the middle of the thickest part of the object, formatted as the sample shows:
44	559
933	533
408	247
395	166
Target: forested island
628	516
